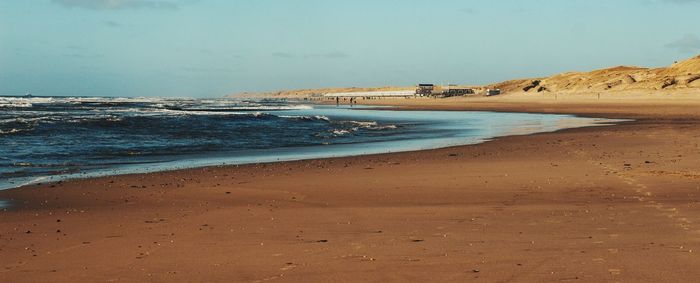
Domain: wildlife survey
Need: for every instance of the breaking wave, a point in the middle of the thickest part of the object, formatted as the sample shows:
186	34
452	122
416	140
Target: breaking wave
52	135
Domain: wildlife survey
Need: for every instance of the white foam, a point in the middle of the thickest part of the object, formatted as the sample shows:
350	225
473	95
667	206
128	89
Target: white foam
370	125
316	117
387	127
11	131
362	124
205	113
340	132
34	181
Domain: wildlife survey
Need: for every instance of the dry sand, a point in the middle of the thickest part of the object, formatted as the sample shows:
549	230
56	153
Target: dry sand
681	75
618	203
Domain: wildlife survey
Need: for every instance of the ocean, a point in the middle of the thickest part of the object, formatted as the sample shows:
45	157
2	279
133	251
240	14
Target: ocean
45	139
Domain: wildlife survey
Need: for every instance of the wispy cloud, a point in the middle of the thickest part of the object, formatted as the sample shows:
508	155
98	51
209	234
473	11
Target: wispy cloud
118	4
111	24
82	55
75	47
690	43
80	52
469	11
283	55
335	55
682	1
207	70
329	55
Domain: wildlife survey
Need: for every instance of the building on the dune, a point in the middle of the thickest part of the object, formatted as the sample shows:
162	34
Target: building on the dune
425	89
442	91
454	90
492	92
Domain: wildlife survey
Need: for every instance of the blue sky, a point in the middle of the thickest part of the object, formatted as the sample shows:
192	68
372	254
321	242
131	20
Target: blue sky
209	48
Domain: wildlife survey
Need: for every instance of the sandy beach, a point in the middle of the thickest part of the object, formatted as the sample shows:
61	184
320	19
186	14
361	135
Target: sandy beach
349	141
616	203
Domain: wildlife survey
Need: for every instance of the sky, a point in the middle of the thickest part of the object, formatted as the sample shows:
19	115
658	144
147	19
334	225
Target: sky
211	48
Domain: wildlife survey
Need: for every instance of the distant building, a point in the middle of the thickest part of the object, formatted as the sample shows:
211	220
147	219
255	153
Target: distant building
454	90
442	91
492	92
425	89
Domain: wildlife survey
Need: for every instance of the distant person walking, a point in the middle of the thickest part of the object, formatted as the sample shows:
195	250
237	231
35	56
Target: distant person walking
337	101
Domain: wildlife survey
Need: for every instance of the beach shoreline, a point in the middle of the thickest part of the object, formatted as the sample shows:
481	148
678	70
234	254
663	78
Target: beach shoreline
344	131
588	204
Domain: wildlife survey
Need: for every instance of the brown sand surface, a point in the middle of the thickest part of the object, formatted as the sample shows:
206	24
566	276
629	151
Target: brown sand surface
606	204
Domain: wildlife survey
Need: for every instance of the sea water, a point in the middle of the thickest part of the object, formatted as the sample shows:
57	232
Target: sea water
45	139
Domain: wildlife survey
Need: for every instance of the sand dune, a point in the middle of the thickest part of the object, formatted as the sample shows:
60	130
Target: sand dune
681	75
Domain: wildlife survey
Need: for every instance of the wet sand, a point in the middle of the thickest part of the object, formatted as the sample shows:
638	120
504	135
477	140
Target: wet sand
618	203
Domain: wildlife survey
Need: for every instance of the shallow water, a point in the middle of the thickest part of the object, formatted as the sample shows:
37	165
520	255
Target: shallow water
51	138
4	204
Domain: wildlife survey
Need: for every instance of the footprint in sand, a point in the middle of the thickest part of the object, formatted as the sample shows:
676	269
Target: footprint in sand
289	266
644	196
